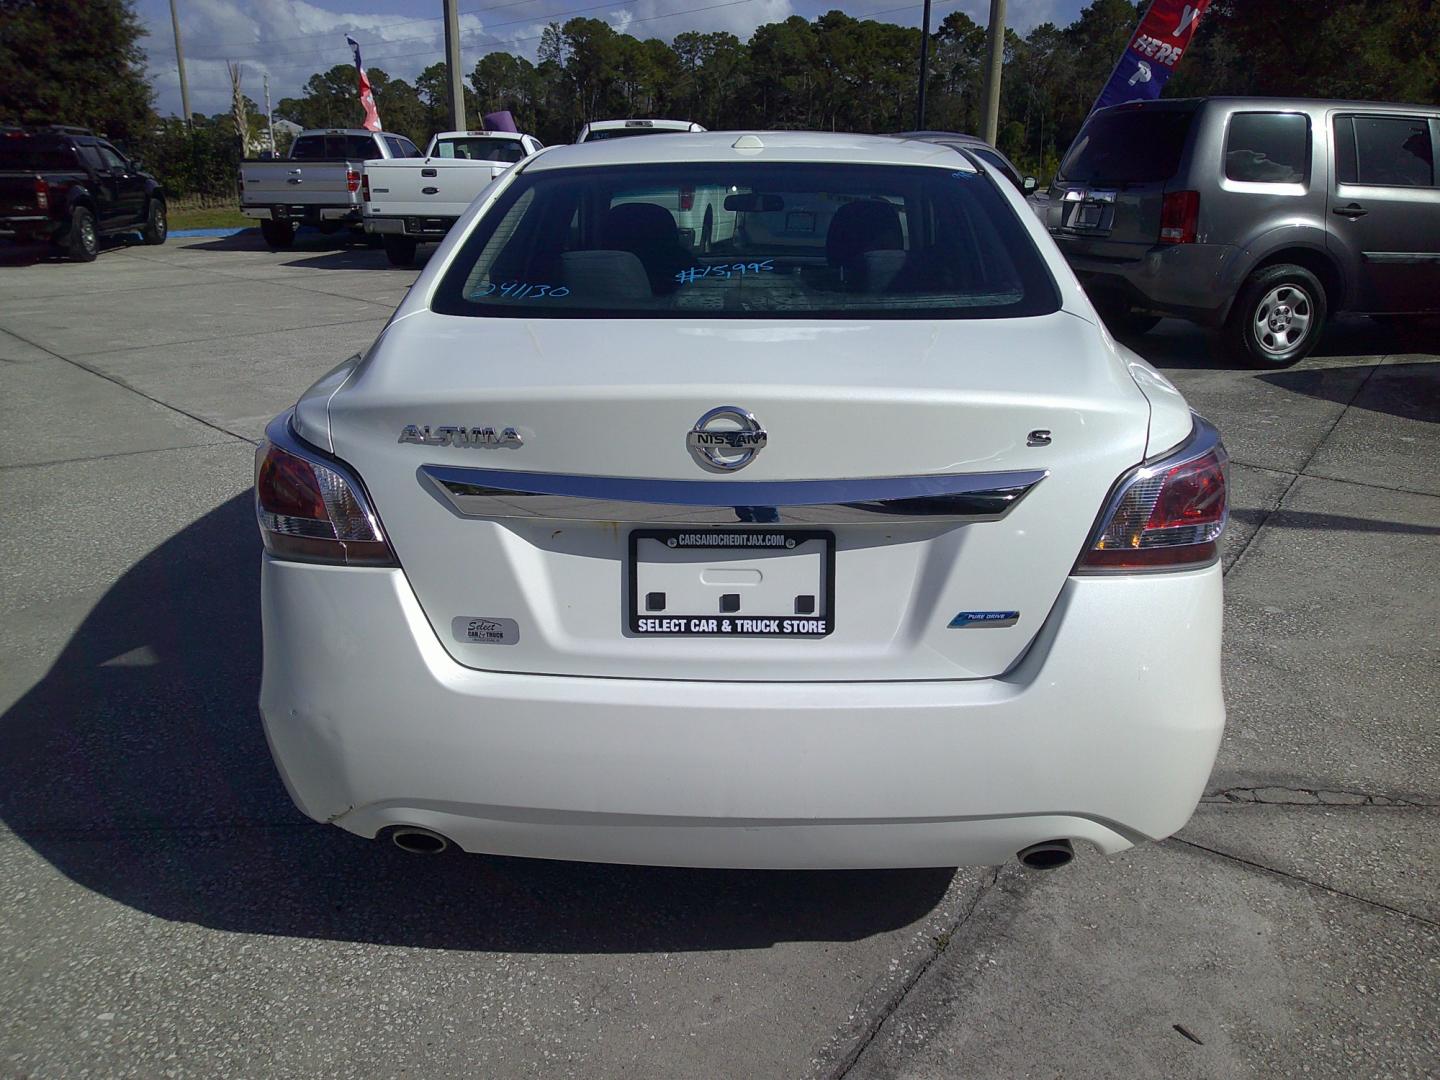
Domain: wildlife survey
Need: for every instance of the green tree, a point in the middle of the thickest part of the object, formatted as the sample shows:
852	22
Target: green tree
74	62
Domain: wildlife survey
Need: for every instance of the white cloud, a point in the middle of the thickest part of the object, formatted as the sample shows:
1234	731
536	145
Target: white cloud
289	40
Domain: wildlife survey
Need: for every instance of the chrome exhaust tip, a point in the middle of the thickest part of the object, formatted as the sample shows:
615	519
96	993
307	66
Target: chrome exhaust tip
418	841
1046	855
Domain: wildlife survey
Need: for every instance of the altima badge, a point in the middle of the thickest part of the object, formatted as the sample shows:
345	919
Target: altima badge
477	438
726	449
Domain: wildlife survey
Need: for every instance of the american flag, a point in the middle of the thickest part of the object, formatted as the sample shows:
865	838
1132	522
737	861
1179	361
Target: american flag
372	118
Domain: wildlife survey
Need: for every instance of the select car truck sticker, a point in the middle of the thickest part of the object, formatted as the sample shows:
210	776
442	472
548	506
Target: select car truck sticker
1153	51
483	630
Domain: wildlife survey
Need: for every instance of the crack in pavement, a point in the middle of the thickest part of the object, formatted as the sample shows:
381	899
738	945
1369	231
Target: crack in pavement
892	1001
262	281
1300	879
126	386
1273	795
1295	478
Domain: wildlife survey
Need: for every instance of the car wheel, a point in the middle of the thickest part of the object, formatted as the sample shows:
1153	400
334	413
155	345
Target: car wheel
400	251
330	228
82	240
278	234
1278	317
157	225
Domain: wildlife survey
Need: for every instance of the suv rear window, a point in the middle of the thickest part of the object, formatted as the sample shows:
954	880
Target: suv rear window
1268	148
1139	146
28	152
1386	151
749	240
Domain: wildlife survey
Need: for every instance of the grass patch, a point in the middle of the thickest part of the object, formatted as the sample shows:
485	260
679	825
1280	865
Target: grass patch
223	216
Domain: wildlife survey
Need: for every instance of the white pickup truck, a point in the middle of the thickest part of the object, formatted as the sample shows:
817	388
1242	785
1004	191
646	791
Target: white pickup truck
410	201
317	184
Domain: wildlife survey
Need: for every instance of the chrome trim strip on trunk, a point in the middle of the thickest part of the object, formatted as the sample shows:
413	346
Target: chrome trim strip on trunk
498	493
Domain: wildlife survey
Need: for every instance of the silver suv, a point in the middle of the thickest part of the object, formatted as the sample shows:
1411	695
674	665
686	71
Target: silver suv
1259	216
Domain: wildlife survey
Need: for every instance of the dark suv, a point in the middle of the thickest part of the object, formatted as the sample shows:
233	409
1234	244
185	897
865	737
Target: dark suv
66	185
1259	216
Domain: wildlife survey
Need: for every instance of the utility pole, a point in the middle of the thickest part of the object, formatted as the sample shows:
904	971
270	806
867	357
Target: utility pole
452	64
180	63
995	62
924	68
269	116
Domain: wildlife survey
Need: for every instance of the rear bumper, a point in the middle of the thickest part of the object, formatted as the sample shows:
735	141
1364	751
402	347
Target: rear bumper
420	228
302	213
1188	281
28	227
1105	732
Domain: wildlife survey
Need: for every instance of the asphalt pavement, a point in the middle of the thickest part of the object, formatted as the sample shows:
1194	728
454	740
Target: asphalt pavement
164	910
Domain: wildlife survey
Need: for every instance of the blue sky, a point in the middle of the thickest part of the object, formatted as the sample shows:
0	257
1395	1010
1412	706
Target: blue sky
290	39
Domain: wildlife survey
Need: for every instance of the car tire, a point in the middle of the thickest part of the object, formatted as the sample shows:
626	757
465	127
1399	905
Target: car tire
330	228
277	234
82	239
157	223
1277	318
400	251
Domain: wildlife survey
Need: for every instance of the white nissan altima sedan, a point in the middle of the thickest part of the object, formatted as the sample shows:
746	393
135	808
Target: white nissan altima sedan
850	539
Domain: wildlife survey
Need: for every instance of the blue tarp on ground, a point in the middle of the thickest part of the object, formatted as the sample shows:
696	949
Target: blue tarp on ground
206	232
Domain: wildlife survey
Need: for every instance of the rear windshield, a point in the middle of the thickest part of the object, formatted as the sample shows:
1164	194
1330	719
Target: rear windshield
29	152
749	240
334	147
1142	146
625	132
482	149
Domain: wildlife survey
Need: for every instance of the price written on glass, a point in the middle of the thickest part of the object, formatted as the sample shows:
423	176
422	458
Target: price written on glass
695	273
523	290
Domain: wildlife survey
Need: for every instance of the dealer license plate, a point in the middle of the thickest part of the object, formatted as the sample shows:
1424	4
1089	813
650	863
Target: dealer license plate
732	582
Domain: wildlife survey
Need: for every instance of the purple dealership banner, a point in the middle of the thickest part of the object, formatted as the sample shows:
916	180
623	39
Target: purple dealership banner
1155	48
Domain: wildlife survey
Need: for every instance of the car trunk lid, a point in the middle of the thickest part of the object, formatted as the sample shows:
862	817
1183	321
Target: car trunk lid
558	415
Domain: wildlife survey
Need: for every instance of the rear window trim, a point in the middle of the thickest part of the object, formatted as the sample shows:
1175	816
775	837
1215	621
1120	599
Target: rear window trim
437	303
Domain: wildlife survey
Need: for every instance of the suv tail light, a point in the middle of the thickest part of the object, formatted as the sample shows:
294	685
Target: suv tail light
1179	215
365	187
1164	515
352	179
42	193
311	508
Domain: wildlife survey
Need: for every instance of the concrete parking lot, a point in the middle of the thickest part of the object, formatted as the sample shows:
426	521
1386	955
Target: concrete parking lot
165	911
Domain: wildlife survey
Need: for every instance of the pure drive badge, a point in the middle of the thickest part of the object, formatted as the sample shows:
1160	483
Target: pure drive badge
969	619
482	630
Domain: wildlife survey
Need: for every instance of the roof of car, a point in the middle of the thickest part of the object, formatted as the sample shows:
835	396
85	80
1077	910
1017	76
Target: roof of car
610	125
792	146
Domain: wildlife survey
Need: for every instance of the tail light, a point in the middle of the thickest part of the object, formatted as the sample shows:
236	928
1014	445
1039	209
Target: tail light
352	179
42	193
365	187
311	508
687	198
1179	215
1164	515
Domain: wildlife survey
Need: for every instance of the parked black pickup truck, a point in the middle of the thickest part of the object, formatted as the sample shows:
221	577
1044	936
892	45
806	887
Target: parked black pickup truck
68	186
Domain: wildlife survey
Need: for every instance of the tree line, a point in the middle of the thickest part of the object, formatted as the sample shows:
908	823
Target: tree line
834	72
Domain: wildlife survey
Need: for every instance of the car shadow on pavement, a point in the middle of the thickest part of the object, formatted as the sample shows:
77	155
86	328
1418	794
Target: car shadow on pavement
1410	391
138	768
1180	345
